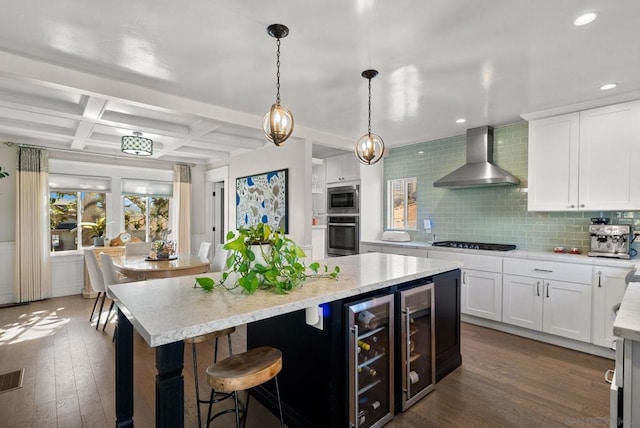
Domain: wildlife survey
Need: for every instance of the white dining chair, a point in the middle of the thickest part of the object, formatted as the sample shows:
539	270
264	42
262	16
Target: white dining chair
220	256
110	277
137	248
203	252
97	282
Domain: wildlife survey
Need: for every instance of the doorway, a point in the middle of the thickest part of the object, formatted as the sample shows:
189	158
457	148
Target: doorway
218	212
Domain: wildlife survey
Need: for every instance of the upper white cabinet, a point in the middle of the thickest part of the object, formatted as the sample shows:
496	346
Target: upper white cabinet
342	168
586	160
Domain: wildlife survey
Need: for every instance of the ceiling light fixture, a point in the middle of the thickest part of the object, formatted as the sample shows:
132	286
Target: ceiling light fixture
278	122
370	147
608	86
136	144
585	19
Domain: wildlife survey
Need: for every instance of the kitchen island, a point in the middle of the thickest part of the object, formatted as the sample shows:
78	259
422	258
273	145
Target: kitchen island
167	311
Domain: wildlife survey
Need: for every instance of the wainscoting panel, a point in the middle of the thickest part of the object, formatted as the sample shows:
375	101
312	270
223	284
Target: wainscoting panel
67	275
7	269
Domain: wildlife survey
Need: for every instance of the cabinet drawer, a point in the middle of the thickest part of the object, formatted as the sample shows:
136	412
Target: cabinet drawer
370	248
549	270
404	251
444	255
483	263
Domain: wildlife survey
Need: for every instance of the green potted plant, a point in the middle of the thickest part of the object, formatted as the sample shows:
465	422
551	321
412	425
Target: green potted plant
262	258
98	230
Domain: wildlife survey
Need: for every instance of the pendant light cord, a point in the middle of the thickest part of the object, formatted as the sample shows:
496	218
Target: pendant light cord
369	107
278	72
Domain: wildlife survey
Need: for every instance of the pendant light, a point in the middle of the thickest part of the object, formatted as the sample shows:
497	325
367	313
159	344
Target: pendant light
370	147
136	144
278	122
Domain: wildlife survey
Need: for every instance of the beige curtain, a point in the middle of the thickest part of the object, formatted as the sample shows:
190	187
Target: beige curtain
33	262
182	202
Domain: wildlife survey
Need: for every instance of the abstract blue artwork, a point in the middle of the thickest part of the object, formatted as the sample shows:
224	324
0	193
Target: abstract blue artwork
262	198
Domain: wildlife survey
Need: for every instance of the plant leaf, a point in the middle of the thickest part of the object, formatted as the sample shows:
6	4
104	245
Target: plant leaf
205	283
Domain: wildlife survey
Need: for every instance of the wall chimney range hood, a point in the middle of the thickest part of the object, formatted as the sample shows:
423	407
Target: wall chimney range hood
479	171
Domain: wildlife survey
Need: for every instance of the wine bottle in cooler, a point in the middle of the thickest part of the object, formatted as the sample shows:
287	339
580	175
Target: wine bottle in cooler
367	320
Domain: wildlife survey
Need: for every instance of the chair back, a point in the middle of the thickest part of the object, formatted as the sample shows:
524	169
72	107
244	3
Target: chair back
203	252
108	270
137	248
94	271
219	259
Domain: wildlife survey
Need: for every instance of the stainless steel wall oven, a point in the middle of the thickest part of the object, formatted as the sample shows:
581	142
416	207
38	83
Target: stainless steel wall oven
343	236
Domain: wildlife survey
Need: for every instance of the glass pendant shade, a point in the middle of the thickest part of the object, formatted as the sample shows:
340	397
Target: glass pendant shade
278	124
136	144
369	149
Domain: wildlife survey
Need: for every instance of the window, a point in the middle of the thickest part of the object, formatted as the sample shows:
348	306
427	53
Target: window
402	203
147	205
65	218
147	217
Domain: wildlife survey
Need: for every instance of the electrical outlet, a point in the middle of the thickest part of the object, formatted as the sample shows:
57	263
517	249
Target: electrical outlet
427	225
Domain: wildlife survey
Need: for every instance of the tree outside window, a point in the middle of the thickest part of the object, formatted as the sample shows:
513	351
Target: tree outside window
65	218
402	203
147	217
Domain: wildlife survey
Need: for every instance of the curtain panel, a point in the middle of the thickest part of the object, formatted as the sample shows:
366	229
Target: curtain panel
182	201
33	259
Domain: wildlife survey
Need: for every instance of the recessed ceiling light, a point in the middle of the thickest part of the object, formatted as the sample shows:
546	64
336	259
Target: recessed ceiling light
608	86
461	121
585	19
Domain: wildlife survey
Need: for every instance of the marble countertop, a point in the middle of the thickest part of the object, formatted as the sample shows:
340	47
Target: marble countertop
167	310
520	254
627	323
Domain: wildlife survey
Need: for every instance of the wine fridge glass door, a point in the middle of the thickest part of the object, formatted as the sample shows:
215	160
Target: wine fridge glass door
370	356
417	343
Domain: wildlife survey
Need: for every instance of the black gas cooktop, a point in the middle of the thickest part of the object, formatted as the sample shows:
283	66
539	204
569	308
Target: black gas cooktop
475	245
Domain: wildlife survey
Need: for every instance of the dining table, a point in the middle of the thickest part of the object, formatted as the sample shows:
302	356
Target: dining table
141	267
165	312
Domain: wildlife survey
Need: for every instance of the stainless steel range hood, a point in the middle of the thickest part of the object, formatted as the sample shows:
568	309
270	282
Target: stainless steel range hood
479	169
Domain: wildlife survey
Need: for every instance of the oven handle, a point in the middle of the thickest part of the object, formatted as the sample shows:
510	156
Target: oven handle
342	224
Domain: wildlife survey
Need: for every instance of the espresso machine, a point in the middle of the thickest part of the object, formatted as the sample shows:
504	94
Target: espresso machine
610	240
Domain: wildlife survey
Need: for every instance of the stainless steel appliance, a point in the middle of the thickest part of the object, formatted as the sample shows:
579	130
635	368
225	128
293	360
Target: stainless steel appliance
370	353
417	363
343	200
343	235
610	240
475	245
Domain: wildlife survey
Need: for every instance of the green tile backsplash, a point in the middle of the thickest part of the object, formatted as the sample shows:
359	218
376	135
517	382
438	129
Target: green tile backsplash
488	214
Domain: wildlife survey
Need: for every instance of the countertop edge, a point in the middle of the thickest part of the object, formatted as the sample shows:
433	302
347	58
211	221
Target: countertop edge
627	322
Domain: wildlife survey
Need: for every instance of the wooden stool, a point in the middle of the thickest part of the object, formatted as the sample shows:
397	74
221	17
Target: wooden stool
205	338
245	371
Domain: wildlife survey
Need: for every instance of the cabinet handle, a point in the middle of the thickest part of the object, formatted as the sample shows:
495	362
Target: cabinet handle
599	278
608	376
464	277
547	290
407	344
572	206
582	205
543	270
538	288
354	379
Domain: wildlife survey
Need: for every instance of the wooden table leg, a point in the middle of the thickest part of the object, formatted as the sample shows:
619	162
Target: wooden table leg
124	372
170	385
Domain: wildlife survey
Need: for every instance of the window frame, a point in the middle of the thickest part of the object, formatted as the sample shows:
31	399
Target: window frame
390	189
80	209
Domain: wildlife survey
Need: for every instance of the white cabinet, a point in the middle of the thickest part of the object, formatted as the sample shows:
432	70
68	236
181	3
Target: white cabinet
370	248
342	168
548	296
318	243
586	160
404	251
608	289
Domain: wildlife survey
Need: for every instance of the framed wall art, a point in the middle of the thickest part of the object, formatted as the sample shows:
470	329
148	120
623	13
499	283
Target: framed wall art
262	198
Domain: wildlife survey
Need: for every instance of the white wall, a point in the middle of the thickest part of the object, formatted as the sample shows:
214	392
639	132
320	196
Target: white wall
8	162
371	200
7	268
294	155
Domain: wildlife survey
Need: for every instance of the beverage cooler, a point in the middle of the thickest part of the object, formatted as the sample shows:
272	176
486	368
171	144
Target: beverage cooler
370	358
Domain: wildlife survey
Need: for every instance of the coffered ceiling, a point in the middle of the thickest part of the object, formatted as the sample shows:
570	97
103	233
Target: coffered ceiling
197	76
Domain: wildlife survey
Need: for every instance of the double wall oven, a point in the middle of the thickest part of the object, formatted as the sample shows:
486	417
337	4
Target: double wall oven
343	220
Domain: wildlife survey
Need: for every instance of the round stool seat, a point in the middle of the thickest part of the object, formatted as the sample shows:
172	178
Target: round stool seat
211	336
244	371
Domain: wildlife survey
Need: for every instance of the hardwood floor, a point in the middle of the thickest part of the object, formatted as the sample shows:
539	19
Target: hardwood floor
505	380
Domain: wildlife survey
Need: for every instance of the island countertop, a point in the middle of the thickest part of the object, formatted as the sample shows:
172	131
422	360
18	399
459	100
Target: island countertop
164	311
627	323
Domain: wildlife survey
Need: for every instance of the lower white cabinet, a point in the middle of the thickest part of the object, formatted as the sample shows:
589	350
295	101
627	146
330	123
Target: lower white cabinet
318	242
608	289
370	248
403	251
555	307
482	294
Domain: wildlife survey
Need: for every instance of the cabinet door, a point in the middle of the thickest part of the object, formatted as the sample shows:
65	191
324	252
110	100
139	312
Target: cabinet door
333	169
482	294
609	156
318	243
608	289
350	167
522	301
567	310
553	163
